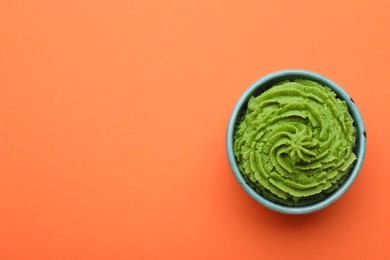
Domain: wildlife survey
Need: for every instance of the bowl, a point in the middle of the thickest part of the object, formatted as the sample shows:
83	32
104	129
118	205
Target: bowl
265	83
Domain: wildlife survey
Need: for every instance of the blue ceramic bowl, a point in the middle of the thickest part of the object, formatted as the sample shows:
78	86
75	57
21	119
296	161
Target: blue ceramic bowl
257	88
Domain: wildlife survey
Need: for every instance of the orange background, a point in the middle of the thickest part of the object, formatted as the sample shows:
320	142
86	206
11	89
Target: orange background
113	118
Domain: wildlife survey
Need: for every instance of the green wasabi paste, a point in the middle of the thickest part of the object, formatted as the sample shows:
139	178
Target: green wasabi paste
295	141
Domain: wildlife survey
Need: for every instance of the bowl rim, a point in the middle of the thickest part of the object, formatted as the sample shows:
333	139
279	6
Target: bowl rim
271	79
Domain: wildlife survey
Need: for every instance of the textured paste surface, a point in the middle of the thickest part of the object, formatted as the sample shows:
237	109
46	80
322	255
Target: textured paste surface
294	144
